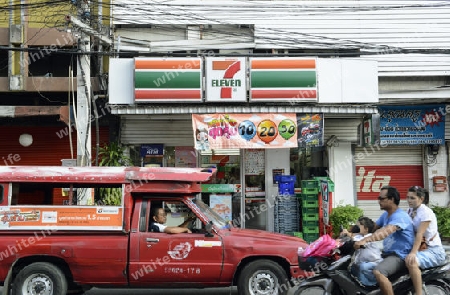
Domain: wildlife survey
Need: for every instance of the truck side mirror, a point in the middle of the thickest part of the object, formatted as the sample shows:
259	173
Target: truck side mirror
208	229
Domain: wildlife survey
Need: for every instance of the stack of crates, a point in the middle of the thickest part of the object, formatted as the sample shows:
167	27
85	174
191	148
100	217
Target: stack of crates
310	210
287	215
286	210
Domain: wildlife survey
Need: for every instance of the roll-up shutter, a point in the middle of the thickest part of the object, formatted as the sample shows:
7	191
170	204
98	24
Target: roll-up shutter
345	130
399	166
50	145
170	130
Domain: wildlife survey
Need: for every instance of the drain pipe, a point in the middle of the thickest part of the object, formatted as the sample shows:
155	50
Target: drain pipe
97	130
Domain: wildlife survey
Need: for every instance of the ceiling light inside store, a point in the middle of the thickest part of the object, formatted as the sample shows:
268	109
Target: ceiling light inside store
25	139
226	152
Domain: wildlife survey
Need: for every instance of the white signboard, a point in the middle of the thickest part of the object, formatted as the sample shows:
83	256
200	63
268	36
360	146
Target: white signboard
226	79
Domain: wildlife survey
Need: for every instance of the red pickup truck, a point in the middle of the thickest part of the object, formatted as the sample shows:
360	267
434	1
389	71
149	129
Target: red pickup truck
65	249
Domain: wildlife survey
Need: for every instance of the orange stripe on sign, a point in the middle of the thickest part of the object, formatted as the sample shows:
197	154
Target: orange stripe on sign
283	64
167	94
294	94
167	64
222	64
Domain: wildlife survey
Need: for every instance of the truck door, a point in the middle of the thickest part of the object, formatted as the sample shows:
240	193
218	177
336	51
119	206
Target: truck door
167	259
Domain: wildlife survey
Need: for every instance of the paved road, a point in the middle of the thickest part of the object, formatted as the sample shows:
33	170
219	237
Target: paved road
215	291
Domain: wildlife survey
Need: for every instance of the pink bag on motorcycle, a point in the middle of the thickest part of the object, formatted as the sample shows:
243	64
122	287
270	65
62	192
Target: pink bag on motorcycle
321	247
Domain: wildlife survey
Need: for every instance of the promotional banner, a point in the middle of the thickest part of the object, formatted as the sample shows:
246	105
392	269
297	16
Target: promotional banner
310	128
412	125
225	131
66	217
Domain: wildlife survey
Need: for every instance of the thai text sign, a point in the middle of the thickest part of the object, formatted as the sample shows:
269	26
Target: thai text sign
225	131
411	125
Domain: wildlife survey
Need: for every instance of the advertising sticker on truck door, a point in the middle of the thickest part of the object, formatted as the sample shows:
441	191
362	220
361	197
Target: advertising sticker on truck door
64	217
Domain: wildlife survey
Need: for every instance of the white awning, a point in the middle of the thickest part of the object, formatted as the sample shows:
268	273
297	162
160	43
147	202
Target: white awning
211	109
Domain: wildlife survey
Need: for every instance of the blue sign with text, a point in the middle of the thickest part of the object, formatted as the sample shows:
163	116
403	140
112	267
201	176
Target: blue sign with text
152	150
412	125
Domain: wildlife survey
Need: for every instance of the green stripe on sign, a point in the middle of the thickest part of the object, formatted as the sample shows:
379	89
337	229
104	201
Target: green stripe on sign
167	79
291	79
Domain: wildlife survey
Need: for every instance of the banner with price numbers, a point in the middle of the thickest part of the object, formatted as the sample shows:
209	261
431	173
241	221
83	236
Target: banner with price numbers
226	131
61	217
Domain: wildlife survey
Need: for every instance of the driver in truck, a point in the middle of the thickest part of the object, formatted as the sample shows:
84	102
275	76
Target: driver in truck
159	218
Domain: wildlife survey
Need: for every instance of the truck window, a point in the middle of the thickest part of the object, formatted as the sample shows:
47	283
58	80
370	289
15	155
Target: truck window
143	217
1	193
54	193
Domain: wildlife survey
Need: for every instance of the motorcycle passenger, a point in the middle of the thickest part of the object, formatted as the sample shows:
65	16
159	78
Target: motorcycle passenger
365	259
394	227
425	227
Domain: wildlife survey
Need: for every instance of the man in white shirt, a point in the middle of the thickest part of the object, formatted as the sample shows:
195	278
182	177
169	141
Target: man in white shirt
159	218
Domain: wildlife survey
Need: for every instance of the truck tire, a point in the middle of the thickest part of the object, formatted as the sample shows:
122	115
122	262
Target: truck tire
263	277
41	278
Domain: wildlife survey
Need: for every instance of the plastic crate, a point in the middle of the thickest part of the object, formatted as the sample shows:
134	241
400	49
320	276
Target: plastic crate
310	216
310	197
310	204
310	223
309	184
314	191
308	210
286	188
285	178
311	230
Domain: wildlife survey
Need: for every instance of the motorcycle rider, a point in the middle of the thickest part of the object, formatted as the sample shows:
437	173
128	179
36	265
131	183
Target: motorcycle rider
425	227
365	260
395	228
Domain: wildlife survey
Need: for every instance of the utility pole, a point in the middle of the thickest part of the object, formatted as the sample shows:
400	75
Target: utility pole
84	97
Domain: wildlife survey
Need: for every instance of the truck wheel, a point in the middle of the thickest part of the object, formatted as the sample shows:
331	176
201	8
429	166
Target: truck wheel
263	277
40	278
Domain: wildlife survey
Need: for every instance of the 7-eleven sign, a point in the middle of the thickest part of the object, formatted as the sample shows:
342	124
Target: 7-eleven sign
226	79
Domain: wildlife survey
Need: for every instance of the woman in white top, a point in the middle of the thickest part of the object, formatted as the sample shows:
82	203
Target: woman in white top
425	227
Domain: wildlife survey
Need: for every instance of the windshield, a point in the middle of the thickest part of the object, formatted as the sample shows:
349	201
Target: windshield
212	216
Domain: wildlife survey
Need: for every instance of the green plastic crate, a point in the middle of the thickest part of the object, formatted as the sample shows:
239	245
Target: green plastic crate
313	191
310	204
310	216
310	184
310	223
310	197
311	230
307	210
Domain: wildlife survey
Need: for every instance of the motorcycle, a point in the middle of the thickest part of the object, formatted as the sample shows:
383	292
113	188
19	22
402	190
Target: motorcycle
334	278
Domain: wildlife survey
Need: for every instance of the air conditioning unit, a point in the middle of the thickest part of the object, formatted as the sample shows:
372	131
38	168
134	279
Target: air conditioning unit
235	51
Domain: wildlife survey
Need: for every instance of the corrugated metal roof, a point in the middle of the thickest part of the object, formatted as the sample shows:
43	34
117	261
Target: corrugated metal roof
238	109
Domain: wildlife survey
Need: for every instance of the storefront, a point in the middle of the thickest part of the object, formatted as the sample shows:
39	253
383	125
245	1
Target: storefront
412	141
161	105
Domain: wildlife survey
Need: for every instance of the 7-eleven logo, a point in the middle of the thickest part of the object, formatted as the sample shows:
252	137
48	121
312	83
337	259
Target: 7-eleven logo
230	68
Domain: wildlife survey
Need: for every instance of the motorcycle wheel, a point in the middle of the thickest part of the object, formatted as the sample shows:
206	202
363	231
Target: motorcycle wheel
310	291
436	288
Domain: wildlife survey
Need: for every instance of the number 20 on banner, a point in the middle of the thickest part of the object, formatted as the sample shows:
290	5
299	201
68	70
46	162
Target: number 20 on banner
267	130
